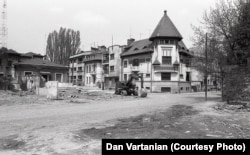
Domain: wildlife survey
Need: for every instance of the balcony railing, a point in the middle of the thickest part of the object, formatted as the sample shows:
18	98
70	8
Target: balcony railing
135	68
79	71
166	68
92	72
105	61
106	72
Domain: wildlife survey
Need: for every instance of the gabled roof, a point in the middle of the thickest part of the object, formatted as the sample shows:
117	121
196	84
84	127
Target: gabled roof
31	54
165	28
4	50
40	62
138	47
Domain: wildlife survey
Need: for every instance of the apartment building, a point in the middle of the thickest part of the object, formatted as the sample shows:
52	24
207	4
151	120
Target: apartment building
112	66
86	67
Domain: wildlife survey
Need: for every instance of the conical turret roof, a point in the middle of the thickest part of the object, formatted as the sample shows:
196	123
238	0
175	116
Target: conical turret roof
165	29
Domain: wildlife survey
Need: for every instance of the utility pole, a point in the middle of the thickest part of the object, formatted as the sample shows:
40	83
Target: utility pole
206	69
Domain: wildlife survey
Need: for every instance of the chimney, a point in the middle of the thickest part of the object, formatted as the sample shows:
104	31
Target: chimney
130	41
165	12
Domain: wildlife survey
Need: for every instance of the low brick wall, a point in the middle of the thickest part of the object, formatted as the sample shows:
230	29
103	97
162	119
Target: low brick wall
173	85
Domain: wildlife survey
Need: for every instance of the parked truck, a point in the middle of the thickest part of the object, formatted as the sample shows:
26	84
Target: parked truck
129	87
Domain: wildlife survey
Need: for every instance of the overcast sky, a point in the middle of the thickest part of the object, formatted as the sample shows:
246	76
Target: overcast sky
30	21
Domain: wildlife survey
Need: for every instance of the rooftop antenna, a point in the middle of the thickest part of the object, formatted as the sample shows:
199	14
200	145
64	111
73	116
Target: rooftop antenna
140	35
4	29
149	32
45	46
130	32
112	41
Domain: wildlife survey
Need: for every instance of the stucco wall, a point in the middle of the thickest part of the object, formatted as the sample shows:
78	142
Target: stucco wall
20	70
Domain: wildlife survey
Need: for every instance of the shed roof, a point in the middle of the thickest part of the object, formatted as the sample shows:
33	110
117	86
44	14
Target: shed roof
40	62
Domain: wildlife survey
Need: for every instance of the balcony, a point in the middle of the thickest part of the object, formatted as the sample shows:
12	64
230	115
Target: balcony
79	71
105	61
105	72
166	69
92	72
134	68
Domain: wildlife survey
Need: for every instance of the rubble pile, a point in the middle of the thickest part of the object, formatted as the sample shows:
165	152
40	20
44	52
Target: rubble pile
233	107
21	97
76	95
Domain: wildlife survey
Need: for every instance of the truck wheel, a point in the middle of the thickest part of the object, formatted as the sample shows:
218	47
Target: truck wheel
124	93
135	93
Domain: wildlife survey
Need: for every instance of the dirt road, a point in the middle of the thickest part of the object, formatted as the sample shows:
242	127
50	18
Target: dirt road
51	128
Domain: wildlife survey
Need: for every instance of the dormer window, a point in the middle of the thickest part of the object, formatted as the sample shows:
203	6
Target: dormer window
162	41
136	49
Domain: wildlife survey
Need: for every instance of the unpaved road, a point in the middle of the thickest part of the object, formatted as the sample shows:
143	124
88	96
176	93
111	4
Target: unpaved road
50	128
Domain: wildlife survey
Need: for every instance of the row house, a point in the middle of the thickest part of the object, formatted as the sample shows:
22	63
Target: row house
162	59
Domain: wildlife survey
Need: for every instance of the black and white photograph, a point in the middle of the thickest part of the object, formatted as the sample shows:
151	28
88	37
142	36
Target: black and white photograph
93	77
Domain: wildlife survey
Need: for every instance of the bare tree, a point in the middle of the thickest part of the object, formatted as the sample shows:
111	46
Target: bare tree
221	23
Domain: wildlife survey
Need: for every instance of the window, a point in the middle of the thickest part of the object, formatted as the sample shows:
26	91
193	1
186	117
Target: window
181	76
125	63
167	51
80	77
166	89
182	61
59	77
27	73
125	77
0	62
166	76
112	68
181	88
79	68
87	69
136	62
147	75
187	76
74	77
74	69
162	41
90	68
171	42
148	88
112	56
9	63
148	60
80	60
166	60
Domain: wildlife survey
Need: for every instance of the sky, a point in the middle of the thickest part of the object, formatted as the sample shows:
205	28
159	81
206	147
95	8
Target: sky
30	21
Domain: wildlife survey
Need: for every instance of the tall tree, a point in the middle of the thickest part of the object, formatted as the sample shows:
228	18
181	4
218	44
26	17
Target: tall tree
242	32
62	44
